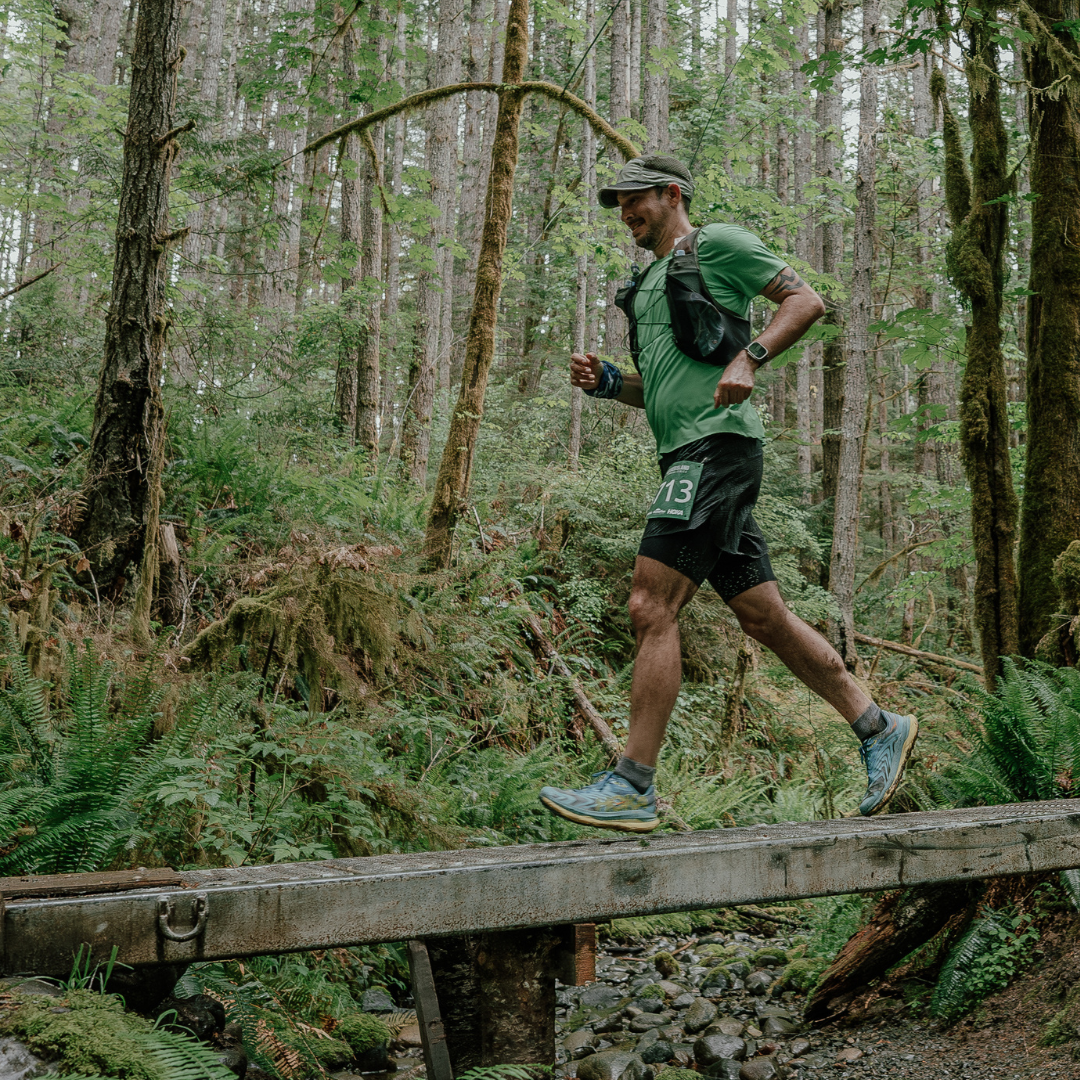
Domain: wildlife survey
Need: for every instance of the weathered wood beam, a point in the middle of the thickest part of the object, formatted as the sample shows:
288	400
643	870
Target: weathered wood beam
250	911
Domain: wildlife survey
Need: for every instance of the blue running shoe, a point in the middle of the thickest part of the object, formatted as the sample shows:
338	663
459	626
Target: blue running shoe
885	756
609	802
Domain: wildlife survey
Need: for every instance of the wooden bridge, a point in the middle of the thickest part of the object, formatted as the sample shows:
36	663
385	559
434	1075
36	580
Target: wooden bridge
494	920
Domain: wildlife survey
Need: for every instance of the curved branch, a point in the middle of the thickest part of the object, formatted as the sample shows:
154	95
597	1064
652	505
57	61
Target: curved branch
429	97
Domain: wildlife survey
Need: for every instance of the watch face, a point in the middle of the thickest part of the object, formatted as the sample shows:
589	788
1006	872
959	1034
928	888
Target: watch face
757	350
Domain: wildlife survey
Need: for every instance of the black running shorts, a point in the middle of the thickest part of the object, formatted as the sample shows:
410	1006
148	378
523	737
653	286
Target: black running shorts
721	542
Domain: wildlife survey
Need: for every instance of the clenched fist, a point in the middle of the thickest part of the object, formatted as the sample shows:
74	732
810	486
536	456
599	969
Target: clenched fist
585	371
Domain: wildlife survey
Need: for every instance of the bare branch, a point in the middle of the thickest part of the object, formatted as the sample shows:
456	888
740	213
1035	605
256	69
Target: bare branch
29	281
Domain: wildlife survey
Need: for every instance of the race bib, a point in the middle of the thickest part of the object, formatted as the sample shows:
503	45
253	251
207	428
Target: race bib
675	499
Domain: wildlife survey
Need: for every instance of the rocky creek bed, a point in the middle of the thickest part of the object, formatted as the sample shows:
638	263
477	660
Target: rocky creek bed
730	1006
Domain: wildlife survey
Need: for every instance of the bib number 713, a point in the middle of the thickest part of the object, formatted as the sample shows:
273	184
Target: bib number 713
675	499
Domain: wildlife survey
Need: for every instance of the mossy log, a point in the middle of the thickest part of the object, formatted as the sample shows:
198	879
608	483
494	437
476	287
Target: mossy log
901	923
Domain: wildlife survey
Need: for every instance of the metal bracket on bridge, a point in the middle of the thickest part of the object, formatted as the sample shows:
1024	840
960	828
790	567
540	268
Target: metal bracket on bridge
202	909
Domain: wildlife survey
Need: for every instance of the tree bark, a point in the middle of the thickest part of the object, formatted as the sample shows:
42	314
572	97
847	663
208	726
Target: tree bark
832	253
802	171
655	78
117	498
441	145
979	214
853	418
901	923
1050	518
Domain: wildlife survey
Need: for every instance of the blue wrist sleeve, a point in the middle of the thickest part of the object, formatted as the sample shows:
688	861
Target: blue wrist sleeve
610	385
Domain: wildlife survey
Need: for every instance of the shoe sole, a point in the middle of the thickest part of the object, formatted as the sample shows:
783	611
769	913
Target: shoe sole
905	754
621	826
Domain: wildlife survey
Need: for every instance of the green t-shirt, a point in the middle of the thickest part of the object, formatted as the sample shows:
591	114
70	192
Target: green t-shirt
736	266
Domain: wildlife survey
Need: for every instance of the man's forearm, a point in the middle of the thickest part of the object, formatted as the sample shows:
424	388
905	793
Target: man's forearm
633	391
795	315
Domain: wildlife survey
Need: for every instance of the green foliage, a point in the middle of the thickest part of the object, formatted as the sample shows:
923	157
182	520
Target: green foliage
363	1032
653	990
1027	744
995	947
93	1035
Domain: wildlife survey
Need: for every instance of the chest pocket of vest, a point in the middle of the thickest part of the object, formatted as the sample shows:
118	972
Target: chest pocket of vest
703	329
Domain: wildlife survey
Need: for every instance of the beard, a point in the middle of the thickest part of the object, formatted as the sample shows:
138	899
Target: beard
650	237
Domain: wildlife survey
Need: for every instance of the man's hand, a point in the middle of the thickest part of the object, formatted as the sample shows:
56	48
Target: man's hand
585	371
736	383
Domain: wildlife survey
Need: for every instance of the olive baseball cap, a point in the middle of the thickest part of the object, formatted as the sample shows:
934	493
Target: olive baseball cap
642	173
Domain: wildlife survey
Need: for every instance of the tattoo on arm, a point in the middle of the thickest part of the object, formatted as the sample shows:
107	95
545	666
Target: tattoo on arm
787	281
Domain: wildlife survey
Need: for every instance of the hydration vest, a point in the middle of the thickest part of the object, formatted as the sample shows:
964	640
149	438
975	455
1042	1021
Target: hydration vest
704	330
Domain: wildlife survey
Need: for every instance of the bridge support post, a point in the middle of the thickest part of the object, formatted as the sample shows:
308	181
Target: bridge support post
497	995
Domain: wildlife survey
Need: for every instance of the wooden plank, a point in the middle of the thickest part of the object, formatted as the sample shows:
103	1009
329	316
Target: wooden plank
575	960
280	908
51	885
428	1014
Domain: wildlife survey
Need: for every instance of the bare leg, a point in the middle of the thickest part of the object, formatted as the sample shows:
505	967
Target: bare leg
656	597
763	615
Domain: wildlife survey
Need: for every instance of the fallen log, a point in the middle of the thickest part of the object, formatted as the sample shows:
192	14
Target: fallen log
917	654
596	721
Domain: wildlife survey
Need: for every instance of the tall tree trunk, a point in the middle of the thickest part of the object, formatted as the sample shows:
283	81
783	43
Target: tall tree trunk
370	333
655	78
1051	511
455	469
802	171
853	420
586	273
441	146
979	214
119	497
832	252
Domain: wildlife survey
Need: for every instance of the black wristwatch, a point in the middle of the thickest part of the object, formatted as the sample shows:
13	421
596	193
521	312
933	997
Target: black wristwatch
757	352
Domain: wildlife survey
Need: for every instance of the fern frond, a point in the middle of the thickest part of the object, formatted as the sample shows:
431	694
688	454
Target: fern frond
1070	882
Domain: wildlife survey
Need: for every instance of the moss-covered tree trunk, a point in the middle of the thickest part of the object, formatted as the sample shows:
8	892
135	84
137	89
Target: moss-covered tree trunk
978	211
1050	519
455	469
118	495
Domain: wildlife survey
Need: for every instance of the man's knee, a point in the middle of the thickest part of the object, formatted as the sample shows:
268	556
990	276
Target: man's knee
766	624
649	612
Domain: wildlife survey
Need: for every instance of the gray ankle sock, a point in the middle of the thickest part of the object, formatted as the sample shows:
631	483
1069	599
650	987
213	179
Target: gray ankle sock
641	776
871	723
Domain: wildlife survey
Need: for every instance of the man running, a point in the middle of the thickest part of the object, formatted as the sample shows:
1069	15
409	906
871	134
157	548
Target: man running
709	439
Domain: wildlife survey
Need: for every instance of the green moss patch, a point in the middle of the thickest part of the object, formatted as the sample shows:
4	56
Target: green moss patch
363	1032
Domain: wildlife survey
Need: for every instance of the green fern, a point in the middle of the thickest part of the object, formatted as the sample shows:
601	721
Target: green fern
983	961
73	786
1026	744
1070	883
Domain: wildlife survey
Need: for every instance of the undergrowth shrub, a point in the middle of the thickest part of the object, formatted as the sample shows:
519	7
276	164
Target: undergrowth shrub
996	946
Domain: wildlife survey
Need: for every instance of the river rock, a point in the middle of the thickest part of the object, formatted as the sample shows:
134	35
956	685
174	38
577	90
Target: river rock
799	1047
16	1061
656	1053
738	968
715	982
758	982
777	1025
377	1000
683	1001
613	1065
608	1024
200	1016
724	1070
761	1068
23	985
600	996
579	1044
726	1025
671	989
646	1021
235	1060
848	1054
648	1004
699	1016
712	1048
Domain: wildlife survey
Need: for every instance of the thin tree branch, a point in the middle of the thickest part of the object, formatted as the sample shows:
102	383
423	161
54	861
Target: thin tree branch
429	97
29	281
